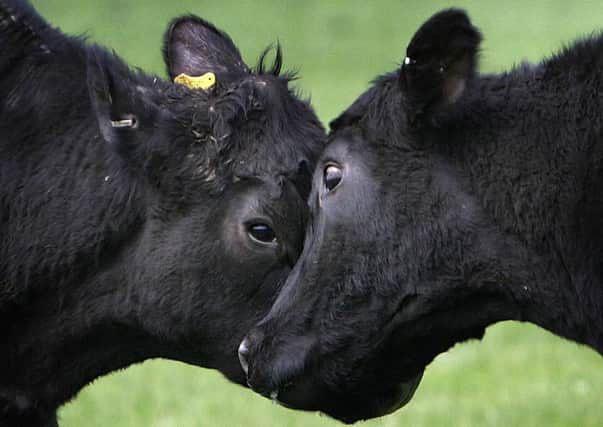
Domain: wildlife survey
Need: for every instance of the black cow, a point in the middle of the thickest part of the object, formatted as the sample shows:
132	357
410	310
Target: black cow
139	218
445	201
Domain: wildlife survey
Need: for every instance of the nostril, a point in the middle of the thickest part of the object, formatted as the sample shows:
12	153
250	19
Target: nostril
244	355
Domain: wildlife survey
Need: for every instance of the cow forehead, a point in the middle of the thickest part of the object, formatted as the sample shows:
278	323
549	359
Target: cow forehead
378	116
260	99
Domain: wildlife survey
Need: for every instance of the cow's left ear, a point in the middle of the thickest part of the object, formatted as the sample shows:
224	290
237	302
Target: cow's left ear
122	107
194	47
441	59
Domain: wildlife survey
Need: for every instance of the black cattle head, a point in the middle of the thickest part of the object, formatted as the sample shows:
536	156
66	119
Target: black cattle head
393	240
223	173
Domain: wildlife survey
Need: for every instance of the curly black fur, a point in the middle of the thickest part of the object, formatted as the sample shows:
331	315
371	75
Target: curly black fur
120	243
465	200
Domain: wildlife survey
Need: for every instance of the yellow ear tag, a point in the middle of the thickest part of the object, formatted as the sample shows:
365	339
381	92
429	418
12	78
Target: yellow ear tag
204	82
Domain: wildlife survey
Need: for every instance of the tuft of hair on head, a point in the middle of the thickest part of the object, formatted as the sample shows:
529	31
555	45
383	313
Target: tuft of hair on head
277	64
276	68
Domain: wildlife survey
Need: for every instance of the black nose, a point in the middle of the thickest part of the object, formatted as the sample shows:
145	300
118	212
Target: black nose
270	364
244	355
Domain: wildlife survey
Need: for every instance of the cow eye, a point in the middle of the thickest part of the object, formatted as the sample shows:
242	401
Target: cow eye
261	232
332	176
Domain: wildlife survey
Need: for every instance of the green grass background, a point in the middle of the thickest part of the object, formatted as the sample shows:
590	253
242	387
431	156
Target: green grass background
518	375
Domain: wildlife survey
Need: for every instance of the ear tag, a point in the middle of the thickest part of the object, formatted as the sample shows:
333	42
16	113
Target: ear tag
126	123
204	82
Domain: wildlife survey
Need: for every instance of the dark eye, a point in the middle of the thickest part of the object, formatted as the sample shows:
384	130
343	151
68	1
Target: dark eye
262	233
332	176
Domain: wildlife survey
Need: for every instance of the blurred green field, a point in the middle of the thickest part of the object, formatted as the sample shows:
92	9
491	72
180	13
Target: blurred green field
518	375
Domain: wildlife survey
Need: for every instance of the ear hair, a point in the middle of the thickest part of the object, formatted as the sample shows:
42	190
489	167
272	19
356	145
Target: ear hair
193	46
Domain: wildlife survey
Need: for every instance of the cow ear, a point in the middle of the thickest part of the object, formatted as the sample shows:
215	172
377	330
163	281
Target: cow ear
441	59
194	47
119	103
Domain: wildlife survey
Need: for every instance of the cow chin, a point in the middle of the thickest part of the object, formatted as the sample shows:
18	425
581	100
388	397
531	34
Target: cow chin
304	394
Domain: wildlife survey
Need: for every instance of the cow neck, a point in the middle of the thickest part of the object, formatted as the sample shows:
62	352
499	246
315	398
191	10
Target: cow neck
70	339
12	415
67	319
528	182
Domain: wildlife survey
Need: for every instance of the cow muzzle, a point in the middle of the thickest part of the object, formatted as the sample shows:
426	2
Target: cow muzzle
289	373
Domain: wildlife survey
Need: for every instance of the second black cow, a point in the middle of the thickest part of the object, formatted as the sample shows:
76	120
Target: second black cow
445	201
